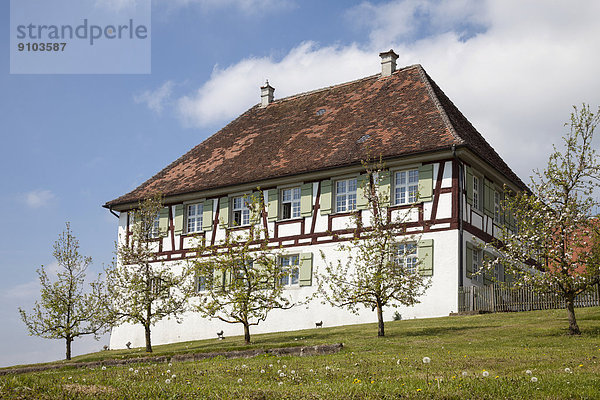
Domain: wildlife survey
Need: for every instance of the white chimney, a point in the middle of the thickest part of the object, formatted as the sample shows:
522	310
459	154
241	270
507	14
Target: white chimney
388	62
266	94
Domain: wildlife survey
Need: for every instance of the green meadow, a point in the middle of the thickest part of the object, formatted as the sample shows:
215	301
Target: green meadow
495	356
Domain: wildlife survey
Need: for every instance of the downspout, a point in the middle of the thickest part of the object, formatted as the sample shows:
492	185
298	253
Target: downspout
460	217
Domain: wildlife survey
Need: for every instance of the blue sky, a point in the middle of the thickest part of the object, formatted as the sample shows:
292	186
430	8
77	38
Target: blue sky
72	142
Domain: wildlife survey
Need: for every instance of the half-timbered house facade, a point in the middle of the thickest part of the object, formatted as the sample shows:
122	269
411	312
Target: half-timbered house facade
305	152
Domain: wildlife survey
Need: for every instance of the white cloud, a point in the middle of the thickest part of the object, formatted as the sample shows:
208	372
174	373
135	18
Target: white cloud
156	99
39	198
513	67
118	5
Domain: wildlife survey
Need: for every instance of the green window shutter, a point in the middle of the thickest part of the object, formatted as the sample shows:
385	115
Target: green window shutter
256	209
426	182
425	254
362	186
469	266
306	200
384	188
488	200
224	211
163	221
178	219
305	269
218	280
469	185
273	206
326	197
207	215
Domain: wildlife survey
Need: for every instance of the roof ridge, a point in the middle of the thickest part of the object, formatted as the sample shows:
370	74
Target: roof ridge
338	85
425	77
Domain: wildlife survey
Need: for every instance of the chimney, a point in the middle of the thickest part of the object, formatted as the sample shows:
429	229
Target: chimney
388	62
266	94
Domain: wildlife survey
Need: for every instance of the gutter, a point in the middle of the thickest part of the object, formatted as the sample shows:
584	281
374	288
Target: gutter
111	211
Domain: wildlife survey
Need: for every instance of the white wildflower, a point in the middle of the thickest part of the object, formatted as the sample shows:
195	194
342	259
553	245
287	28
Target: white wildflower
485	374
398	362
244	366
293	372
280	383
282	375
311	370
135	371
426	360
262	371
170	364
130	369
465	373
103	368
240	380
568	370
534	379
167	381
168	371
173	376
528	372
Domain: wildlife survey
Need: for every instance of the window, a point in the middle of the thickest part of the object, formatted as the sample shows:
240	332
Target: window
476	193
240	272
498	214
157	287
241	212
405	255
155	227
194	218
290	203
345	195
290	272
406	186
477	264
497	272
201	284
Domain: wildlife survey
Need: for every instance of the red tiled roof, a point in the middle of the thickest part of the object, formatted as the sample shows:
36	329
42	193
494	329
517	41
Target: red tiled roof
405	113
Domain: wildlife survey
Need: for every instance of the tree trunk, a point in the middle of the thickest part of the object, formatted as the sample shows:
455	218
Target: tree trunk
573	327
381	329
247	333
148	340
69	339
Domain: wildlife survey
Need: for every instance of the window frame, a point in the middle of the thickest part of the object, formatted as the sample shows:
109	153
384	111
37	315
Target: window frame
347	193
288	271
197	285
407	185
498	210
294	204
199	217
477	197
244	210
155	229
477	264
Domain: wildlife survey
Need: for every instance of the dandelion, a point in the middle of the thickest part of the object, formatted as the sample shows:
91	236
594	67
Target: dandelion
167	381
485	374
580	365
419	390
103	368
534	379
528	372
240	380
372	381
568	370
426	360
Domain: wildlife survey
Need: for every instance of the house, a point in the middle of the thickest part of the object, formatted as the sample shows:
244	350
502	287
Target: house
305	152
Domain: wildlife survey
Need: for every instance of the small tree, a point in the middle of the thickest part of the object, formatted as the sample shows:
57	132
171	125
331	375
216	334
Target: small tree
382	265
239	278
142	291
557	244
65	310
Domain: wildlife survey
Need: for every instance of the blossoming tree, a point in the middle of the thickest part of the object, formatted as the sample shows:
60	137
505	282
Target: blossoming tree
381	267
557	244
239	279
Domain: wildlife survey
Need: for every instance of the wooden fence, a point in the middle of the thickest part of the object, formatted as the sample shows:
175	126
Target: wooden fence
495	298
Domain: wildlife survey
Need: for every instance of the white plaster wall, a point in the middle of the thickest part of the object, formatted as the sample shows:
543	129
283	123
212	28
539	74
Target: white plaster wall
439	300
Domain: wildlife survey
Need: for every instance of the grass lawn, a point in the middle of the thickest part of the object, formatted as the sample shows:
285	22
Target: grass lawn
474	357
